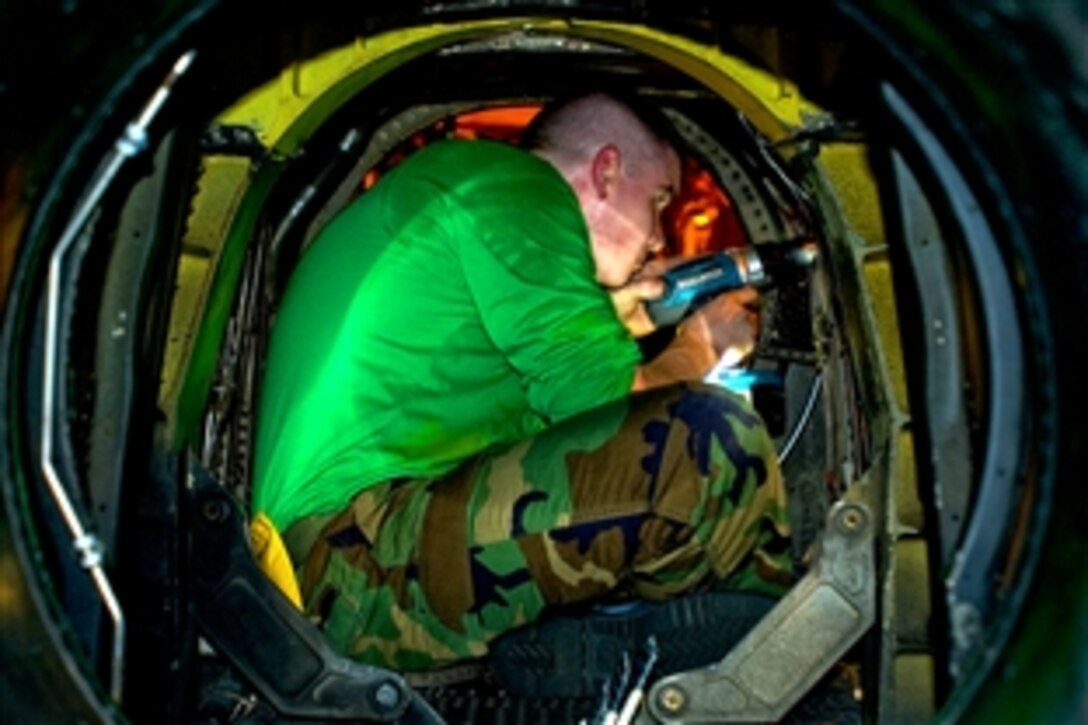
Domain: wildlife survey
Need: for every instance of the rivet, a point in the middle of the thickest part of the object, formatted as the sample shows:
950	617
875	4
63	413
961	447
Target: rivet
673	699
851	520
387	696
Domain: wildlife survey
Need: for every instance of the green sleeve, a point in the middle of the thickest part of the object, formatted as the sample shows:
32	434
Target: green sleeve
531	277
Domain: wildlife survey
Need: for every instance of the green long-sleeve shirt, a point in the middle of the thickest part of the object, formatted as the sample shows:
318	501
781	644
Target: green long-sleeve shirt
451	308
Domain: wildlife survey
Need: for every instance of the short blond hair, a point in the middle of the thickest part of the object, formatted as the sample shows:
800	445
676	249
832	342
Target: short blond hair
571	131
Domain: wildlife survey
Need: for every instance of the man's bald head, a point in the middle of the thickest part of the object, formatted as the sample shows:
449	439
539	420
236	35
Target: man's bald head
622	170
570	132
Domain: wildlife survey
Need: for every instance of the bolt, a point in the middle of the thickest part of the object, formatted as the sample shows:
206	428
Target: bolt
673	699
215	510
387	696
851	520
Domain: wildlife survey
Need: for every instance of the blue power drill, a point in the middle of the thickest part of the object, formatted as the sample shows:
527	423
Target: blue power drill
689	285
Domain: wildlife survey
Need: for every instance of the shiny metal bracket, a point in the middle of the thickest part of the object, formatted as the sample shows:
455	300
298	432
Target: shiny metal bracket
795	644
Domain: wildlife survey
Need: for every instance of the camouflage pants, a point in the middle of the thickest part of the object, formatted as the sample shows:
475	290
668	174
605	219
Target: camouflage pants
650	496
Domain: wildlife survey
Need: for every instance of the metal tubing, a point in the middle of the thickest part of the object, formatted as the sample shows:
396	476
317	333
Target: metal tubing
802	422
129	144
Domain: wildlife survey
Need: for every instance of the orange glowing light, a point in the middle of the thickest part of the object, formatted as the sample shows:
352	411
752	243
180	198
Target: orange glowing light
504	123
702	218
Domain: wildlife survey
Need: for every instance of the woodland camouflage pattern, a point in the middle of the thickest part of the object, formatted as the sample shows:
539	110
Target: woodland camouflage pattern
650	496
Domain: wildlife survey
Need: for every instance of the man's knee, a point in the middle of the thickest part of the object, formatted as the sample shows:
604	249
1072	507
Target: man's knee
712	463
716	430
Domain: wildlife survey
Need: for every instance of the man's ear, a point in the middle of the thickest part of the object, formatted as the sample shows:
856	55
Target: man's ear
605	170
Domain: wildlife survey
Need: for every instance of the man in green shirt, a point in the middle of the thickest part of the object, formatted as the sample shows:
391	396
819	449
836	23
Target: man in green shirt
446	433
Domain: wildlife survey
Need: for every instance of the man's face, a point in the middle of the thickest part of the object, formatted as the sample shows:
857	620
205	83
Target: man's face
627	227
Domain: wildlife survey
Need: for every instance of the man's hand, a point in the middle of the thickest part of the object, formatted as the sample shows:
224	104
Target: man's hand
630	300
728	324
646	286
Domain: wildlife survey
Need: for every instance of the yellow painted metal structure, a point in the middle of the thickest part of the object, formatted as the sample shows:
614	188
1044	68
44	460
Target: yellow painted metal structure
220	191
909	673
773	105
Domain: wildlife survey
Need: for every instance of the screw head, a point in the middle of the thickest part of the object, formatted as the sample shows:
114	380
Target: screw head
852	519
387	696
672	699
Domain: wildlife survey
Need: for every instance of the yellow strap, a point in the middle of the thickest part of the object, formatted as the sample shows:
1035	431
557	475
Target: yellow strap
272	557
